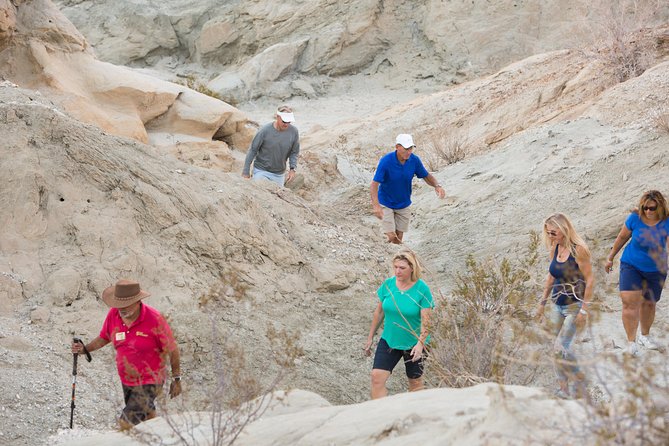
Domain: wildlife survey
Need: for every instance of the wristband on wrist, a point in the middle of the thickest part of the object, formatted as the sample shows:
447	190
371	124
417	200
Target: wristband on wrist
176	378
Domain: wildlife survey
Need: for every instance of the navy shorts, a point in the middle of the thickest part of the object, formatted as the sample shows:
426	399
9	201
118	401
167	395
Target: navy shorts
140	402
386	358
650	283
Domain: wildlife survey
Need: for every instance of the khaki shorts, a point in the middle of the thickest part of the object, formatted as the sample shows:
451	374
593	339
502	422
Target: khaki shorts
395	219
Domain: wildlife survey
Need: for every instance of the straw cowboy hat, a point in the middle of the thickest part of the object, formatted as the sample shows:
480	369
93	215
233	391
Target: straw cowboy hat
123	294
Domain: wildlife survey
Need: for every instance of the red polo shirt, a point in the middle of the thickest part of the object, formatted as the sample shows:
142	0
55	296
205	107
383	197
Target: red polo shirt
142	349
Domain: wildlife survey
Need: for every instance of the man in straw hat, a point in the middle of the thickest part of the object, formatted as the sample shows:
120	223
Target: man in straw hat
274	144
143	341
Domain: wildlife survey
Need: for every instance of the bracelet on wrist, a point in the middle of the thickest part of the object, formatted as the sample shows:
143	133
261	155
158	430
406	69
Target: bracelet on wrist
176	378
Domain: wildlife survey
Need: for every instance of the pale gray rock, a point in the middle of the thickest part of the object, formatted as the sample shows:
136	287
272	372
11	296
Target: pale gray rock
478	415
40	315
301	87
258	73
63	286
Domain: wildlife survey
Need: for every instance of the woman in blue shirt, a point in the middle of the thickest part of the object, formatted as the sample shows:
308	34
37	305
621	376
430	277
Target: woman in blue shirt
404	307
643	267
569	284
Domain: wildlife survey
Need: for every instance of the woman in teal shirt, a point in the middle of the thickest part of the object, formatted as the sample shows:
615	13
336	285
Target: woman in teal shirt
405	304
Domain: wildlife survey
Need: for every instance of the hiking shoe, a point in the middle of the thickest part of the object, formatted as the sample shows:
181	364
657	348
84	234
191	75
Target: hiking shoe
647	342
632	349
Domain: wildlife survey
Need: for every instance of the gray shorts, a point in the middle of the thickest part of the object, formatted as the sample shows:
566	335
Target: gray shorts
395	219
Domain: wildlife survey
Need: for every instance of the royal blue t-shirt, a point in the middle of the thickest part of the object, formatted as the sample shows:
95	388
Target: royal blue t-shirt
647	250
395	179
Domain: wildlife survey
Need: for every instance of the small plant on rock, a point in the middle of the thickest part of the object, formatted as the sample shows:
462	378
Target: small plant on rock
191	82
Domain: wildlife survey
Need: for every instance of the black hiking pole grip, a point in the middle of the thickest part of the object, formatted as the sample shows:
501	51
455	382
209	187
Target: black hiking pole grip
89	358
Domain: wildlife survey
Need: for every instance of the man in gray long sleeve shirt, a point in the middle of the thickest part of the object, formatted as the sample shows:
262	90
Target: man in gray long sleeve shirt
273	145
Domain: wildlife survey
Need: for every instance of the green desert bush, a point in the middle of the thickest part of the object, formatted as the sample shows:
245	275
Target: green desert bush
482	333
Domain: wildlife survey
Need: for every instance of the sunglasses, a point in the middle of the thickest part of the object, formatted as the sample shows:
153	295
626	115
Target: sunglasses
552	233
649	208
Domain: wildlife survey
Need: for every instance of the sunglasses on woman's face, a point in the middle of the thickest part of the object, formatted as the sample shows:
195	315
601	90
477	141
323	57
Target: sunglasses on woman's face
650	208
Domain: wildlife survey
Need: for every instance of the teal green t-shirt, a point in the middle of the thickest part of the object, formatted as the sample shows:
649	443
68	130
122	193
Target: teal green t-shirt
401	328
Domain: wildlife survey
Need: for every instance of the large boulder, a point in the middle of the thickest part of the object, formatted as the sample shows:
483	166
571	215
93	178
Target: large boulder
48	54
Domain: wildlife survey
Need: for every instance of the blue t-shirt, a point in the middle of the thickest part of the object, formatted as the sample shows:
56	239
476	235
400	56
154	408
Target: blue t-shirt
402	321
395	179
647	250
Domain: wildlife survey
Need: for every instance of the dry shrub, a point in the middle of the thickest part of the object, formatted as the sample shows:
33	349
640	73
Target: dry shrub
239	391
660	119
191	82
625	43
481	333
445	147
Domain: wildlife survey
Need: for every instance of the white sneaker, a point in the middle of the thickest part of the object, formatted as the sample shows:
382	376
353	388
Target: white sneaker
647	342
632	349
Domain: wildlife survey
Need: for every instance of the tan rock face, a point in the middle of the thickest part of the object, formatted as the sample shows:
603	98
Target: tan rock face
445	41
7	21
52	56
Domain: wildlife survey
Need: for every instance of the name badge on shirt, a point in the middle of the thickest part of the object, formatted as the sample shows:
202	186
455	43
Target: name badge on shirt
120	336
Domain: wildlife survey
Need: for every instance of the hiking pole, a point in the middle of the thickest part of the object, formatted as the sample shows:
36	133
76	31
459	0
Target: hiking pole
74	375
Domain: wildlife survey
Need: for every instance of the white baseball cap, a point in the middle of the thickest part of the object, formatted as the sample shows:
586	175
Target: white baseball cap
405	140
286	116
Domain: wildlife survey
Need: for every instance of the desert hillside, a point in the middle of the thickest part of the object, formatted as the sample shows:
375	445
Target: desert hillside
120	160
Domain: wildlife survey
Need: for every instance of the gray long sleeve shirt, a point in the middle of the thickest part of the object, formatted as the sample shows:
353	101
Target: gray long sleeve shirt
271	148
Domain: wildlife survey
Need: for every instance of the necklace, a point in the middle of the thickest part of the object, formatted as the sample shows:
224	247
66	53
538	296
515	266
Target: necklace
561	253
403	287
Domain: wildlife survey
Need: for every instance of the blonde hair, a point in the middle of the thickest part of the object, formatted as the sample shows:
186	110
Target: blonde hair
410	257
566	227
656	196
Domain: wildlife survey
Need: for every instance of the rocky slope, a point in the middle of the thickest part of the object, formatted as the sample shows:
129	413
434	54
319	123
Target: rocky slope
82	205
245	50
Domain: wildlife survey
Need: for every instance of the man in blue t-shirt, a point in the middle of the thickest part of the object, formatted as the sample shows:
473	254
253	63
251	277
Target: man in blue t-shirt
391	187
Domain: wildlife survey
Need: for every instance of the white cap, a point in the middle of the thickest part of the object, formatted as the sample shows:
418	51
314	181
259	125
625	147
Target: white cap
286	116
405	140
